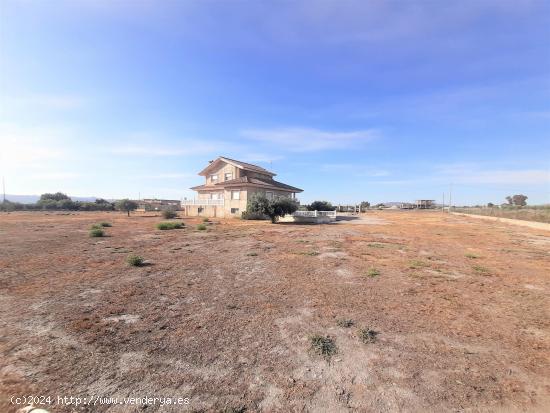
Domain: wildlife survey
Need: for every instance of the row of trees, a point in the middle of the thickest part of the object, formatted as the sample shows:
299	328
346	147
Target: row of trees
61	202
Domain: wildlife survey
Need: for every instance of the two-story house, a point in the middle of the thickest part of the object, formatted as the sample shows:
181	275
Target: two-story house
228	186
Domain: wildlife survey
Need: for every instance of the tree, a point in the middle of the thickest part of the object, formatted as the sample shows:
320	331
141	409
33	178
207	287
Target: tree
519	200
320	206
364	205
58	196
490	205
126	205
259	204
509	199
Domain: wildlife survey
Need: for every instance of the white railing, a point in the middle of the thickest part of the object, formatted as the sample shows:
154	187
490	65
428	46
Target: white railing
202	202
315	214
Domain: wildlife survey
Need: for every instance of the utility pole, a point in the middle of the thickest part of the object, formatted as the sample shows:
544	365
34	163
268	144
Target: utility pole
450	197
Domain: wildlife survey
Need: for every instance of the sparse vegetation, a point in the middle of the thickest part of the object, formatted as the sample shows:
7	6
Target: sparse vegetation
471	255
252	254
201	227
96	232
345	323
169	225
376	245
536	213
205	219
373	272
135	260
481	270
366	335
323	345
415	264
310	253
169	214
95	226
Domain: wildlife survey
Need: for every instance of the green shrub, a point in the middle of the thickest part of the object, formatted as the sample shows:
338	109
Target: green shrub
105	224
345	323
96	232
201	227
414	264
135	260
320	206
169	214
169	225
205	220
373	272
323	346
95	226
366	335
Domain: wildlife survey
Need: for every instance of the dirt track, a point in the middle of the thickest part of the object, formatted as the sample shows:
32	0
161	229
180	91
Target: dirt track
224	317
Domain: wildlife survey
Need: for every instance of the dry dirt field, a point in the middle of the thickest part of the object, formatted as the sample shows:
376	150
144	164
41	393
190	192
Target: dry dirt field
225	317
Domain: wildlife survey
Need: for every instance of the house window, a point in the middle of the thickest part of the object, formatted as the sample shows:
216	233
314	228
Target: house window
228	176
235	194
234	210
269	195
216	195
214	178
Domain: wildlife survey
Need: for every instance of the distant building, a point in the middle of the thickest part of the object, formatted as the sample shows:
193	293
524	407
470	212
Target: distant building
425	203
158	204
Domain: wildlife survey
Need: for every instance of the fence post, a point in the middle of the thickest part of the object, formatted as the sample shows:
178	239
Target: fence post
315	215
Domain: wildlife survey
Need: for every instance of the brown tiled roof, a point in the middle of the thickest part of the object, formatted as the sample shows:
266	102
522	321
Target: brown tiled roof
244	165
246	180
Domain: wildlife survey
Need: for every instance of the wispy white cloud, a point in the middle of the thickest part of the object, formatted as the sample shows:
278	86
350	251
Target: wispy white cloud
22	146
56	176
309	139
38	101
501	177
355	169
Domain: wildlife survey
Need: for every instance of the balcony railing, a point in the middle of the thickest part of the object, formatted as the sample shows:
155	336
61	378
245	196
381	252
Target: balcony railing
202	202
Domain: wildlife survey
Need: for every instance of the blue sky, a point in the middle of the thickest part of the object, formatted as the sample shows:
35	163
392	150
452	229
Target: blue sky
351	101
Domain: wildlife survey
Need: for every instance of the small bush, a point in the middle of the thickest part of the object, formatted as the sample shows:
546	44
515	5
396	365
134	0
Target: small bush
310	253
96	232
376	245
105	224
373	272
135	260
470	255
323	346
201	227
345	323
169	214
169	225
205	220
481	270
95	226
414	264
252	254
366	335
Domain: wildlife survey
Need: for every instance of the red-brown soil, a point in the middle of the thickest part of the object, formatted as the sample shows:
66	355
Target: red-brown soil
225	316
